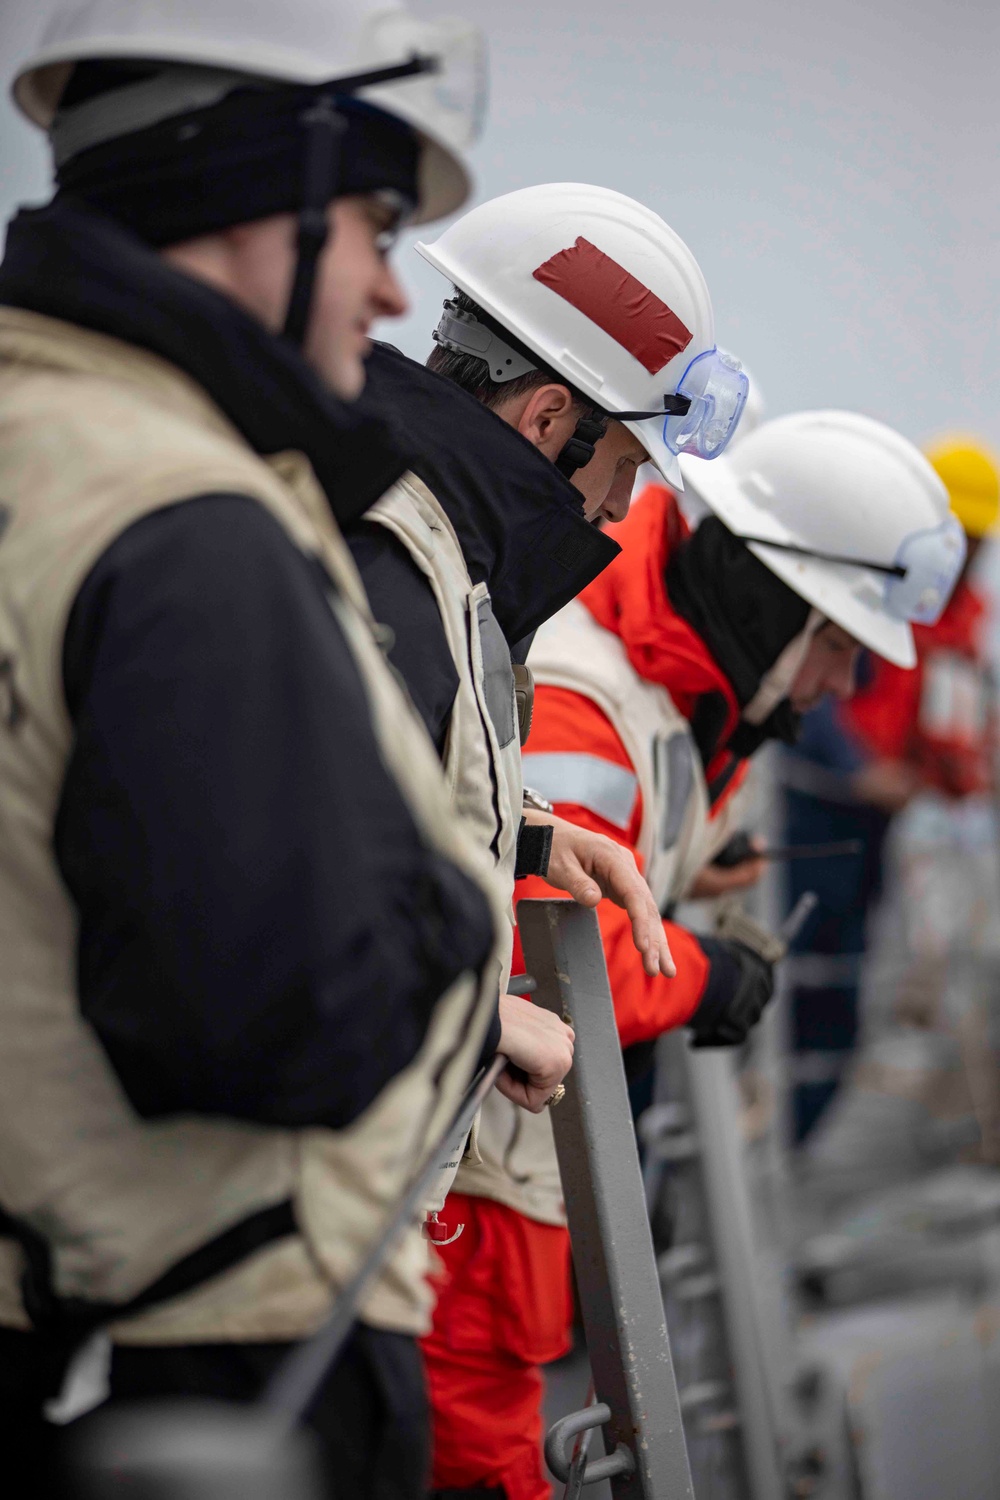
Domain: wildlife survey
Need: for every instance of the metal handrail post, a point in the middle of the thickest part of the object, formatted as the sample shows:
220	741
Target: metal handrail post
759	1377
605	1205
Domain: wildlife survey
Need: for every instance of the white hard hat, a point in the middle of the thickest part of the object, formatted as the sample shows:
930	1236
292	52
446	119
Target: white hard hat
298	42
857	520
606	294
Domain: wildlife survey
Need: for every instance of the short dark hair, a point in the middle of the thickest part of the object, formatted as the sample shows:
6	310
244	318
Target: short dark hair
473	374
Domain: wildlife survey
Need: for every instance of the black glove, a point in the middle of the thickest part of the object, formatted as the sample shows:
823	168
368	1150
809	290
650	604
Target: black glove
740	983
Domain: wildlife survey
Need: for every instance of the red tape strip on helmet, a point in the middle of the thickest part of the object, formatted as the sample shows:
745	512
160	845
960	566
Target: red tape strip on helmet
612	298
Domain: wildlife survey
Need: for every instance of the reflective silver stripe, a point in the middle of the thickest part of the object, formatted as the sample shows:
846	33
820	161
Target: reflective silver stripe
673	772
606	789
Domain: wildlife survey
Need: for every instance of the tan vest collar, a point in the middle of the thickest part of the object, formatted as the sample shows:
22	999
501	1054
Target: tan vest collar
30	338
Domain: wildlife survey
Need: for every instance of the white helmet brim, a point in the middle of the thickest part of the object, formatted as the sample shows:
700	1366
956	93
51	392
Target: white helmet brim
650	435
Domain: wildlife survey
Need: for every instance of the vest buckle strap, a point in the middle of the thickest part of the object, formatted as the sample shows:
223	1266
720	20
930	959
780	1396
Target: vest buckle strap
59	1318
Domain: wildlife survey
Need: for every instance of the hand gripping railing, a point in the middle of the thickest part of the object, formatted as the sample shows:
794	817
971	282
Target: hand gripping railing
636	1394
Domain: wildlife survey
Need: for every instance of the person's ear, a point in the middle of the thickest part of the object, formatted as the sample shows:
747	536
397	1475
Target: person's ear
548	419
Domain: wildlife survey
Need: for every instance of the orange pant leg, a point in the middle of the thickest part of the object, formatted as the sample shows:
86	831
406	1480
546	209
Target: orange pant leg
504	1308
486	1423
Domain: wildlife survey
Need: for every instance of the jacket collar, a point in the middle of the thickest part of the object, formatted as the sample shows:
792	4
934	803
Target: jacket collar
519	521
70	263
631	600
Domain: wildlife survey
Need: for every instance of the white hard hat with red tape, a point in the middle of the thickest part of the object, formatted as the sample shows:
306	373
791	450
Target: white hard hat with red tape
603	292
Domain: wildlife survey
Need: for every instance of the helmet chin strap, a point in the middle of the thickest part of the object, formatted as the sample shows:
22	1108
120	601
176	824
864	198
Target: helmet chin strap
777	681
324	128
324	131
579	450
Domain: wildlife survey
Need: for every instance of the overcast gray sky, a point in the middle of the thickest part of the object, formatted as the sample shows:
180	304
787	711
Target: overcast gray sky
833	166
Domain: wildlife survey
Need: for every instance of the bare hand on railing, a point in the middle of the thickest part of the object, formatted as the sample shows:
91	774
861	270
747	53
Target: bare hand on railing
589	866
539	1045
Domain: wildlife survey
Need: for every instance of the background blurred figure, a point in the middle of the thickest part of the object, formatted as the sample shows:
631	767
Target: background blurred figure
920	744
833	791
934	724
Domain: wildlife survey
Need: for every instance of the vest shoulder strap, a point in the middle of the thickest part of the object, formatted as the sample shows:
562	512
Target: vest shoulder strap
482	756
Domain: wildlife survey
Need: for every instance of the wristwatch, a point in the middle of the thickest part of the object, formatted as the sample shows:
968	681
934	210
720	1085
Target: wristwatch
531	798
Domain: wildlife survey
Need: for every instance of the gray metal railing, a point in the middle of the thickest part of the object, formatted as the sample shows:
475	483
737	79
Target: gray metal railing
636	1395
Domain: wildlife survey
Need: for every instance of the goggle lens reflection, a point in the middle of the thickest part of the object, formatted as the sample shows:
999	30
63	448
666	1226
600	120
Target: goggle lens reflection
932	561
716	386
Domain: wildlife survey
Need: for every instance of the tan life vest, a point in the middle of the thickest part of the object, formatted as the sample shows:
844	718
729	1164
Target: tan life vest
572	651
677	836
482	754
512	1156
94	434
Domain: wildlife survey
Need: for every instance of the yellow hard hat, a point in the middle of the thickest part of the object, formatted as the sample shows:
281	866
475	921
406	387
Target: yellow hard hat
971	477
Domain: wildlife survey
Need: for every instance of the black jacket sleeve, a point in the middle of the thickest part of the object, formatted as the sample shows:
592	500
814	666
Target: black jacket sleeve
402	598
262	932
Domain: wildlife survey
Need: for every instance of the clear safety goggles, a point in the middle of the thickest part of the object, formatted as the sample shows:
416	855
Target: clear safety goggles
919	580
716	387
927	567
705	411
461	84
446	72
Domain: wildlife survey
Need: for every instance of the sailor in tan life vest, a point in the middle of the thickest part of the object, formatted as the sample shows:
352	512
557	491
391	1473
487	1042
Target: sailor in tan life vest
541	399
250	959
